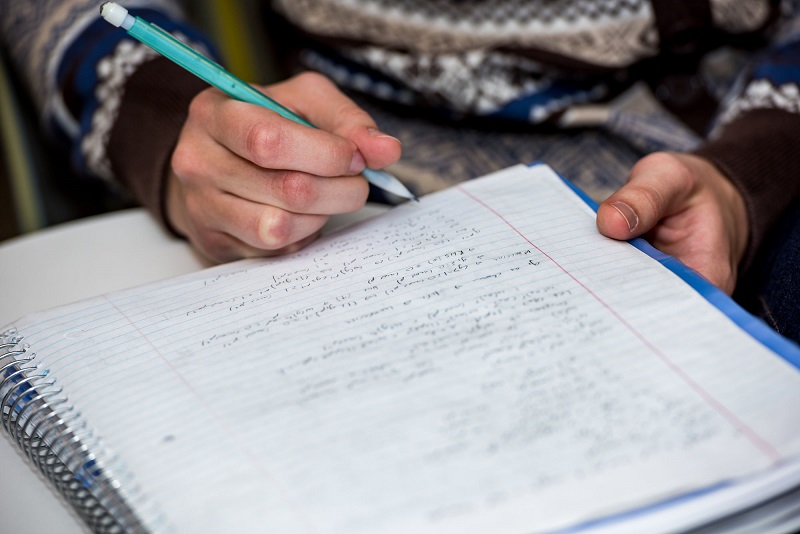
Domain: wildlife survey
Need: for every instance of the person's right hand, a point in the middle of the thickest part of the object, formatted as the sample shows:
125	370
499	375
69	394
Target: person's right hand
246	182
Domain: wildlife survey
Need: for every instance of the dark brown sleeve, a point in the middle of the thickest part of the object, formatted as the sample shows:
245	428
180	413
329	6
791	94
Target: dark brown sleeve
760	153
154	107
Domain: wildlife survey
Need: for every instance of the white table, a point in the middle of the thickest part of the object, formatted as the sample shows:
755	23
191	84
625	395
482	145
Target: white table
63	264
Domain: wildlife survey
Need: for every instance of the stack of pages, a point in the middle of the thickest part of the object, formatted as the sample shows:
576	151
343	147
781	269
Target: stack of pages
480	361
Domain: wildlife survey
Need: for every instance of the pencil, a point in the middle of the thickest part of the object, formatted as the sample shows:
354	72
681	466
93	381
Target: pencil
213	74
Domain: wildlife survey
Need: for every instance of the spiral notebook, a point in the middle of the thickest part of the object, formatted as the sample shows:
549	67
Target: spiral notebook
481	361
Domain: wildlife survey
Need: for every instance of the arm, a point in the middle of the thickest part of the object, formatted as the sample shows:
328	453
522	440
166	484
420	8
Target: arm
90	84
235	179
711	209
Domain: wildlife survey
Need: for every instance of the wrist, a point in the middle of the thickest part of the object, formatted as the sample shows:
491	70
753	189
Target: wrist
174	214
732	206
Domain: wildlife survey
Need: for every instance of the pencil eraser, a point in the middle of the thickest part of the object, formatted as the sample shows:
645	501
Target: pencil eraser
113	13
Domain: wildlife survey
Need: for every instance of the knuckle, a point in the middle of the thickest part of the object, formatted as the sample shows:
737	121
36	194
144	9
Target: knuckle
185	162
653	199
263	141
201	104
273	228
671	167
313	78
297	190
657	180
350	113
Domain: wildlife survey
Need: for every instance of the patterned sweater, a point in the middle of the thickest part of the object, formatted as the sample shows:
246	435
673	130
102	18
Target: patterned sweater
117	108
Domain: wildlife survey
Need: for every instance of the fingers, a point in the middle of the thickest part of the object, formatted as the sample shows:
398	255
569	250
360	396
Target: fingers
266	228
296	192
337	114
220	247
658	186
250	182
202	163
224	227
345	142
269	141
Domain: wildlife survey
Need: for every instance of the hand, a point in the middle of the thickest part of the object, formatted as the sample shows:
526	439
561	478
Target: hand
246	182
686	208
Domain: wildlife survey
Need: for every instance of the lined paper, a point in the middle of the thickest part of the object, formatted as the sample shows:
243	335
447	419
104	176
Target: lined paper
481	361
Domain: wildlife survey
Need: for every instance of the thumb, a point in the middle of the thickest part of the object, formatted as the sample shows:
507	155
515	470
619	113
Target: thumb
658	186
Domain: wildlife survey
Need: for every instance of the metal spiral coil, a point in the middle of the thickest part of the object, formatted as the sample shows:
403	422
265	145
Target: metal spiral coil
39	418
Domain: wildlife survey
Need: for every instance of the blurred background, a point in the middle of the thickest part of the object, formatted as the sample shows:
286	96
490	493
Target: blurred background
36	188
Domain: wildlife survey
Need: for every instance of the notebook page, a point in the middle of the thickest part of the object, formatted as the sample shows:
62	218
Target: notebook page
480	361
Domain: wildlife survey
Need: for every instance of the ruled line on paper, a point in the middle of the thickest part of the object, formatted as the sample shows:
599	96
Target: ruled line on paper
767	448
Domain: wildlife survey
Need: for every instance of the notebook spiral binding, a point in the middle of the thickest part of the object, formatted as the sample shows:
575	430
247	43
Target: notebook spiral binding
51	434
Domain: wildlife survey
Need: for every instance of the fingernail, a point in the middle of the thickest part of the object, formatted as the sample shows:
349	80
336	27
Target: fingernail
377	133
627	213
357	164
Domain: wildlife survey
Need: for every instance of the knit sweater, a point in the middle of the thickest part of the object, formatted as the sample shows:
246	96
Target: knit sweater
118	108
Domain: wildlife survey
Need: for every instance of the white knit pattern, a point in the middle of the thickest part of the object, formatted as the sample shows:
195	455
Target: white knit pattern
762	94
113	72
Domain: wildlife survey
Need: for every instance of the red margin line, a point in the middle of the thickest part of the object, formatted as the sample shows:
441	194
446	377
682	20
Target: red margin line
767	448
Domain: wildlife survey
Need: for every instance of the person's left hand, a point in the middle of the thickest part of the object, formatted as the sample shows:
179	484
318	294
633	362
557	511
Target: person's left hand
685	207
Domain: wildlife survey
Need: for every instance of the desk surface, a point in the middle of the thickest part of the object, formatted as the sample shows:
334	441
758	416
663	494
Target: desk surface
67	263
